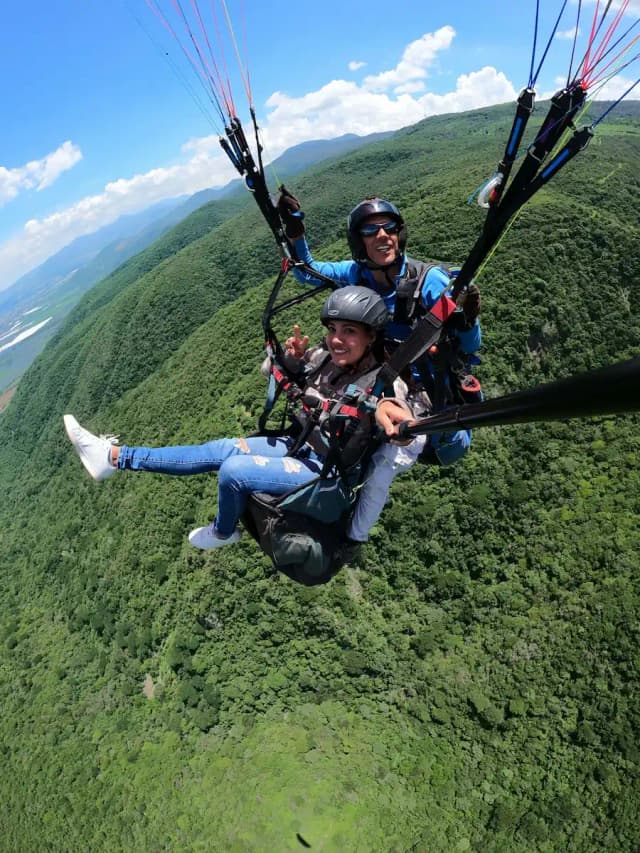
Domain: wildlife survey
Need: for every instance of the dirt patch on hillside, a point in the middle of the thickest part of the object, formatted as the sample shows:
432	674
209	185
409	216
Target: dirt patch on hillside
5	398
354	587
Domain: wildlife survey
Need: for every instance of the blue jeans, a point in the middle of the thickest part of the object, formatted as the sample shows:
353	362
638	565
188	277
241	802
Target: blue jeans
245	465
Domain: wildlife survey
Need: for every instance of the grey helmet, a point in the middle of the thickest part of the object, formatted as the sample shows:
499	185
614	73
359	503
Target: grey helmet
371	207
357	305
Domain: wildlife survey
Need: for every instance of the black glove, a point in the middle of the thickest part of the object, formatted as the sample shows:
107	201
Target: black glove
465	315
290	214
472	304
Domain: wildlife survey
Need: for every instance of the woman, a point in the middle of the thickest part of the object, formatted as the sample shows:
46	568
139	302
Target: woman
355	318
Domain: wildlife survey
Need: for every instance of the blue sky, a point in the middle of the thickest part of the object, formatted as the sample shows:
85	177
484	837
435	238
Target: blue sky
97	123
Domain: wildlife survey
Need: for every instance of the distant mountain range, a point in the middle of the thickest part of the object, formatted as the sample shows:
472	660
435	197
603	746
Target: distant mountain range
294	161
50	290
61	268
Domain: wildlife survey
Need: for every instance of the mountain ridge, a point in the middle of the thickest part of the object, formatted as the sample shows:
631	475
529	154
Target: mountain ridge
472	683
61	280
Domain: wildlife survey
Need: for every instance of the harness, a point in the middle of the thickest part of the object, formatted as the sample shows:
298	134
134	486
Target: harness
302	531
444	371
338	425
409	306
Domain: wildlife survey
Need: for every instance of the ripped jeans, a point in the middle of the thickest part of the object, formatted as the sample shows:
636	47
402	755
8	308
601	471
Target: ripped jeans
245	465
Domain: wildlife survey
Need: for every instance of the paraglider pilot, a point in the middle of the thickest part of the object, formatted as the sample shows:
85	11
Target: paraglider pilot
377	237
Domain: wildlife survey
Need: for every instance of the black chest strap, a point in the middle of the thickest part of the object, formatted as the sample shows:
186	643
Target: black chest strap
408	304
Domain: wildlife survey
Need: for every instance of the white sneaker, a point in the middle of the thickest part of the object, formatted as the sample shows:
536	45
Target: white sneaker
206	537
94	451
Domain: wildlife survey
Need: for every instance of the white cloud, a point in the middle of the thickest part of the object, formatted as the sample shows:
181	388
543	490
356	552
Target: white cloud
40	238
343	107
53	165
354	65
477	89
384	102
38	174
567	34
337	108
202	146
410	87
417	58
616	88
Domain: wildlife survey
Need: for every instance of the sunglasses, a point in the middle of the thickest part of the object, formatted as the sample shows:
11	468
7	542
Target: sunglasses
372	228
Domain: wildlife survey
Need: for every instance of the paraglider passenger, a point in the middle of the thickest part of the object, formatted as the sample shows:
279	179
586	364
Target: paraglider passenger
354	318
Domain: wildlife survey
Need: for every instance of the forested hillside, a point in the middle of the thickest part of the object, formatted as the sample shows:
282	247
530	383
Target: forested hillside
471	684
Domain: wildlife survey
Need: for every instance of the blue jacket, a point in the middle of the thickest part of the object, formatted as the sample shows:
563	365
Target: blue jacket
351	272
449	447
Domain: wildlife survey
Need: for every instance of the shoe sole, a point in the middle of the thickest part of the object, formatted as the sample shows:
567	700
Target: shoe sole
231	540
70	424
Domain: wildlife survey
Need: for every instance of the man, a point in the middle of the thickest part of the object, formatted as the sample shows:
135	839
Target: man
377	237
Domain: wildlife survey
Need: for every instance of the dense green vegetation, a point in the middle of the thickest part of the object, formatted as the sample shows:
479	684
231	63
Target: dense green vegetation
472	684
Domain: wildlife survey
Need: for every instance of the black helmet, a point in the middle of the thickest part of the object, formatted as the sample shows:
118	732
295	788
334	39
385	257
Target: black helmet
357	305
371	207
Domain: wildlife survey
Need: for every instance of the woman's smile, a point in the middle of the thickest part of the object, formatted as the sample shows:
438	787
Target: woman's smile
347	342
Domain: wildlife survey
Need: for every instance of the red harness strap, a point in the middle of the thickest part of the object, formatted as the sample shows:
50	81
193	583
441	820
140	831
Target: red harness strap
279	376
326	405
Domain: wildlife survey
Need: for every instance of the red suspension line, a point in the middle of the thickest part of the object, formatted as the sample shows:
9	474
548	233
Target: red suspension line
592	61
204	71
602	76
207	83
592	35
606	39
217	77
223	60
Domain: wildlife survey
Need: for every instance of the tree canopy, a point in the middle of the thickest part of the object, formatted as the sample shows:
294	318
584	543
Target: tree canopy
471	684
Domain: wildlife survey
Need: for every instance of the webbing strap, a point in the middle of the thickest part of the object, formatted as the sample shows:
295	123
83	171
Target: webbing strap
279	376
426	334
409	288
346	411
273	393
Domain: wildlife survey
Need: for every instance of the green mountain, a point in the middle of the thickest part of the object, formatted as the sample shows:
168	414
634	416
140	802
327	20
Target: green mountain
48	293
471	685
